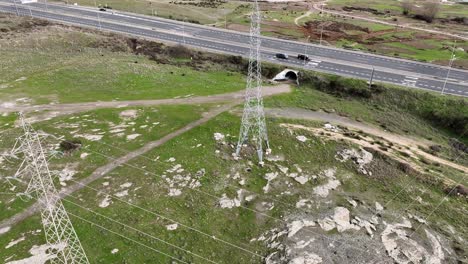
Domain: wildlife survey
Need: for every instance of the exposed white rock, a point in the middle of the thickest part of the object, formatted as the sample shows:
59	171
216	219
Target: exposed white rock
370	228
361	158
417	218
269	177
179	181
302	179
326	224
90	137
378	206
332	184
39	255
331	128
172	227
171	159
122	193
250	198
14	242
66	175
105	202
174	192
84	155
307	258
403	249
218	136
128	114
126	185
324	190
301	138
133	136
4	230
114	251
304	203
302	244
437	255
283	169
352	202
297	225
340	220
226	202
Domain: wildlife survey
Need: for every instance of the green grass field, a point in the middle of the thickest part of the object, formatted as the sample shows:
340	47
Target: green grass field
110	76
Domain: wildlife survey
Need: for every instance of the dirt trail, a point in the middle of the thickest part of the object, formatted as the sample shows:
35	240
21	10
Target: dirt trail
319	7
297	19
64	109
232	98
411	144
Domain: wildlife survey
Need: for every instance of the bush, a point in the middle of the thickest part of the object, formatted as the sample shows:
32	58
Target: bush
70	145
179	51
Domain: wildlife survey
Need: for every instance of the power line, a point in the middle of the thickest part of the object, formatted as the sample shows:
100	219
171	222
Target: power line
172	220
241	206
134	241
138	231
443	199
213	196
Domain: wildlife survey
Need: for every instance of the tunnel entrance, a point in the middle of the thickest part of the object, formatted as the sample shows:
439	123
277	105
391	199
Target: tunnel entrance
287	75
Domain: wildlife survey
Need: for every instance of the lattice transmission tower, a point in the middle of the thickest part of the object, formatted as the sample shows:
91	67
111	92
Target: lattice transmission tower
59	232
253	118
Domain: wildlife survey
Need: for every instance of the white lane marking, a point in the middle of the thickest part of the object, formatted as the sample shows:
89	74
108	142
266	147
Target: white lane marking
410	81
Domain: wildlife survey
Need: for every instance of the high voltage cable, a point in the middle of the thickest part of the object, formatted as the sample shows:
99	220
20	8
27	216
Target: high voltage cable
444	198
138	231
172	220
241	206
134	241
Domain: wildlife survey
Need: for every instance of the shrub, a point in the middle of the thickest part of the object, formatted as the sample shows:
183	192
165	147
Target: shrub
70	145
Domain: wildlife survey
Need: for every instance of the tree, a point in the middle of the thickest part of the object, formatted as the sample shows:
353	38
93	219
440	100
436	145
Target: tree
407	6
429	11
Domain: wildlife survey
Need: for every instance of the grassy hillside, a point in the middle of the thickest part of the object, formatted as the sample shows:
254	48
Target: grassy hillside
189	200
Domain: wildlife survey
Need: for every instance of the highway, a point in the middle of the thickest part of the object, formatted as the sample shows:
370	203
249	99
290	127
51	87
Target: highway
323	59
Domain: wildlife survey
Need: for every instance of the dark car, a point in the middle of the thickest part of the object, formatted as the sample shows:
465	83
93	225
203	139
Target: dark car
102	9
282	56
303	57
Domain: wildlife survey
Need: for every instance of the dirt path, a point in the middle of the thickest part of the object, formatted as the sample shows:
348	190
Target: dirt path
232	98
54	110
308	13
319	7
410	145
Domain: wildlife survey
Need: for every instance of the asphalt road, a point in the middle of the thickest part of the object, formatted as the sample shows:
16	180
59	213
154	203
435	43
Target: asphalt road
323	59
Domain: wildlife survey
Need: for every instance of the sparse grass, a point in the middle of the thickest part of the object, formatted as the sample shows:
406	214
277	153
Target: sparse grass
167	9
199	210
151	124
395	6
428	55
399	110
